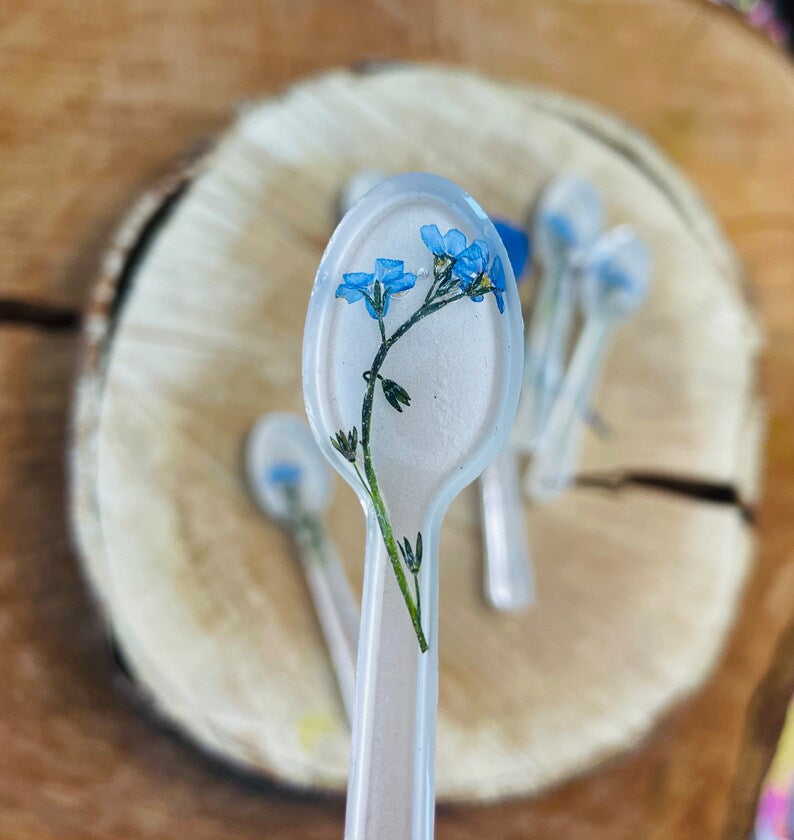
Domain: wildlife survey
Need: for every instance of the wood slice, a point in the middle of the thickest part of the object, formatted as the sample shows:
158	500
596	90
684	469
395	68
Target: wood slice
197	334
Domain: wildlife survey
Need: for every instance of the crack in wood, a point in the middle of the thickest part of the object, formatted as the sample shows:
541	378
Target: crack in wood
41	315
139	249
675	485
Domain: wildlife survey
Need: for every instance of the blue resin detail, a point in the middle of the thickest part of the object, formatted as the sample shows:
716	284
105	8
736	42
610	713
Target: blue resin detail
516	244
284	473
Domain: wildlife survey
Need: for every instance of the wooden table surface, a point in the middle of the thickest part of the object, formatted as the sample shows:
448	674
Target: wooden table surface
95	102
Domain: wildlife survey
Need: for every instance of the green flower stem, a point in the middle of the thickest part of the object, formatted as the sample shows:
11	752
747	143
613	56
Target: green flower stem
436	299
377	500
362	480
371	484
441	276
306	529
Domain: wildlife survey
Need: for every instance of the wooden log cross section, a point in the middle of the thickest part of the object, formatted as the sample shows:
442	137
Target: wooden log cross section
637	586
78	758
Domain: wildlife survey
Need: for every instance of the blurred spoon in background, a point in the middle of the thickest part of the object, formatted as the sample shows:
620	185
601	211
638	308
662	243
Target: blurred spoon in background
569	218
616	276
290	480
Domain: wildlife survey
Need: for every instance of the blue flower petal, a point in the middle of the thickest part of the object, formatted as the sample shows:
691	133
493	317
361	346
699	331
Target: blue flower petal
475	257
385	270
497	274
484	251
402	283
454	242
432	237
467	261
478	298
371	308
358	279
350	293
471	263
516	244
500	301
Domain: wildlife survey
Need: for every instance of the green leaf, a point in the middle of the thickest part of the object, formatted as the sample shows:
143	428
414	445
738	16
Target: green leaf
345	444
412	559
395	394
393	402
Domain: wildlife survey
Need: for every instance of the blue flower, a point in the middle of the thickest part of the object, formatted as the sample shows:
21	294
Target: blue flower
497	278
284	472
470	265
472	273
516	244
448	246
391	278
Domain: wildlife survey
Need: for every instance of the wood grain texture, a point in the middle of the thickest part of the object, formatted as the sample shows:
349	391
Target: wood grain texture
204	597
95	99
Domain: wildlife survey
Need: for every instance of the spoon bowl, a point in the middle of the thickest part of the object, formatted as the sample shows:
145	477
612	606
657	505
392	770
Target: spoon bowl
616	273
458	353
412	371
281	449
357	186
291	483
507	573
570	216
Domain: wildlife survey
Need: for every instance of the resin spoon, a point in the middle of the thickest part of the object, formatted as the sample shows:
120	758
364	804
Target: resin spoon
291	483
508	576
357	186
616	276
411	371
508	580
508	573
569	218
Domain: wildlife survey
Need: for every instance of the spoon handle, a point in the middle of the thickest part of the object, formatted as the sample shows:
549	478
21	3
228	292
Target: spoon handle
508	575
554	464
334	604
391	787
547	343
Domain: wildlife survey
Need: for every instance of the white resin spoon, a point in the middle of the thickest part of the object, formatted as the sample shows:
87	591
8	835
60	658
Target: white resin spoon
616	276
569	216
508	579
508	573
291	483
568	220
411	378
357	186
